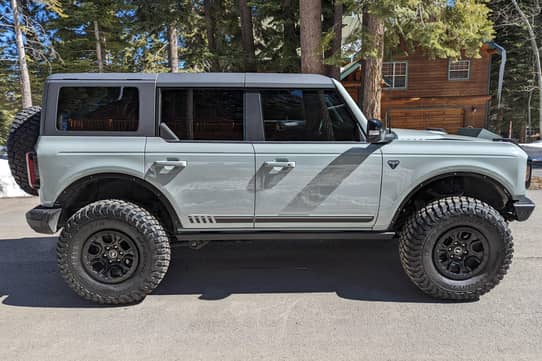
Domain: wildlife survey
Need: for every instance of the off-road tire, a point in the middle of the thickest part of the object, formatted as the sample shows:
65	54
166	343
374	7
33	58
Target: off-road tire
145	231
423	229
22	139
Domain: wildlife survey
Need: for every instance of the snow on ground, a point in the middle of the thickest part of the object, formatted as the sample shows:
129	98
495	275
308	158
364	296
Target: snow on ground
8	187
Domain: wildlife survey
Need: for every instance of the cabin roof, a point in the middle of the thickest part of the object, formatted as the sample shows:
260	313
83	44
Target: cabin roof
241	80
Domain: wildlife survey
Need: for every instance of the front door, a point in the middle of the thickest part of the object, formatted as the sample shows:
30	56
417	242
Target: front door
206	171
314	169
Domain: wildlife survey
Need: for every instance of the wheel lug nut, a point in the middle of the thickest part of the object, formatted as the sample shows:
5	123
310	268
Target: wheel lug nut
449	249
465	252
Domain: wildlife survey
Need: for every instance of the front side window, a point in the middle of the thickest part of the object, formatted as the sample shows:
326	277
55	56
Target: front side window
307	115
395	74
459	70
203	114
114	109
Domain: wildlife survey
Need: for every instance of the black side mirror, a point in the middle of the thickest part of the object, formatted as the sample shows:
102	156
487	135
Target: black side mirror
376	132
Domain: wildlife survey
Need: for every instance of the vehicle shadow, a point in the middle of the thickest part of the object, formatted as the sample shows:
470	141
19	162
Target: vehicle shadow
353	269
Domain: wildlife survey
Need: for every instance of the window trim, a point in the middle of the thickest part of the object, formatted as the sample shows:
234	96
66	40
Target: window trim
450	62
363	136
393	75
158	117
146	108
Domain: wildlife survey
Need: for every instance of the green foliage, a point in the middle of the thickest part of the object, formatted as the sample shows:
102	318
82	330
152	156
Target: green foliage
438	27
133	37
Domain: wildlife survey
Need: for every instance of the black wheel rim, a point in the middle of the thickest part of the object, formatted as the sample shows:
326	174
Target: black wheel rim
461	253
110	256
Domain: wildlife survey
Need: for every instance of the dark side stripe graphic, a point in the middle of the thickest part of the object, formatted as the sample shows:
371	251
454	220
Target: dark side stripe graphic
329	179
294	219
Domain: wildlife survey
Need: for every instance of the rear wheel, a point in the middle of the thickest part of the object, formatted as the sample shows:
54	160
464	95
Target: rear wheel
456	248
113	252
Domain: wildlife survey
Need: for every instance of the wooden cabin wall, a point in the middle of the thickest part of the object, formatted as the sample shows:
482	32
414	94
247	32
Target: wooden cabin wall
431	100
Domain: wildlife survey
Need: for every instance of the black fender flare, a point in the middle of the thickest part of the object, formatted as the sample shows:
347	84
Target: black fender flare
67	195
504	193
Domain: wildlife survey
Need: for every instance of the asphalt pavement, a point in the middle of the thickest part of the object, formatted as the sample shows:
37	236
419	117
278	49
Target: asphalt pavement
272	300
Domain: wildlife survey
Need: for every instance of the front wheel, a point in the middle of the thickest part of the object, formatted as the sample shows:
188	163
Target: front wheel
456	248
113	252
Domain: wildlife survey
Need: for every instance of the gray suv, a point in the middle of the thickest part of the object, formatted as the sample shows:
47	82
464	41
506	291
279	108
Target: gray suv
126	164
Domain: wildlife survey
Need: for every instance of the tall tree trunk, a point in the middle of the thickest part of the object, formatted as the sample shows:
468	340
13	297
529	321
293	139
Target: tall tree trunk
372	78
310	19
24	76
99	58
334	51
537	63
173	48
290	38
210	23
247	35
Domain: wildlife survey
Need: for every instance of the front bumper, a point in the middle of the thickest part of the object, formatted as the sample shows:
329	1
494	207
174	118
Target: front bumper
43	220
523	208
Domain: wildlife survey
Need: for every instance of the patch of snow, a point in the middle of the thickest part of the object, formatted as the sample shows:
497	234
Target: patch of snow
8	187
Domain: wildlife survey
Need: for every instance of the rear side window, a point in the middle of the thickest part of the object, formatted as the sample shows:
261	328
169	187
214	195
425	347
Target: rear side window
203	114
307	115
111	109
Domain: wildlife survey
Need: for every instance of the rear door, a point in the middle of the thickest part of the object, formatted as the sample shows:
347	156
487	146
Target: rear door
314	169
206	172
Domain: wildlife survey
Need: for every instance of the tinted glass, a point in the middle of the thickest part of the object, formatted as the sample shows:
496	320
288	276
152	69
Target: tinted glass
203	114
98	109
307	115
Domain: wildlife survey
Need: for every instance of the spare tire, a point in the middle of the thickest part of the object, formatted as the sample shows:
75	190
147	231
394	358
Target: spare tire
22	139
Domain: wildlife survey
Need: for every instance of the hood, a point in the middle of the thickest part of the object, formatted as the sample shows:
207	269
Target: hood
420	135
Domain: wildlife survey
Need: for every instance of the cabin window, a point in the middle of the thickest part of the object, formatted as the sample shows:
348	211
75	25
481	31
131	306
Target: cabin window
308	116
459	70
395	74
203	114
108	109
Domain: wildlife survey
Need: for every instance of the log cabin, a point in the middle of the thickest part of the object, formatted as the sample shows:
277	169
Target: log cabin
422	93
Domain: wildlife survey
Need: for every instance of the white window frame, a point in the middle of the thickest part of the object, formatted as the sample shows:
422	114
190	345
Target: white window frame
393	76
450	71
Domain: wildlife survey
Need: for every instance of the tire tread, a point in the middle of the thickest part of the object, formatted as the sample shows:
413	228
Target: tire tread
415	230
143	221
22	138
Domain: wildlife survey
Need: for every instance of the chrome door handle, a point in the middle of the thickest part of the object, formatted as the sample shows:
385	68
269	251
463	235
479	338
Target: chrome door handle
279	164
171	163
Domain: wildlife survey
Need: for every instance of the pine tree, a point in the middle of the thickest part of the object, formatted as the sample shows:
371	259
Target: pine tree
310	13
439	28
520	93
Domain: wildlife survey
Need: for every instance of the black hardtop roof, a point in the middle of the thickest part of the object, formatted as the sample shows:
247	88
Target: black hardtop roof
248	80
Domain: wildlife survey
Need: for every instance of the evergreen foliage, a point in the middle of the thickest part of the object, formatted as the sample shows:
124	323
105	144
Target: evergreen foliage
60	36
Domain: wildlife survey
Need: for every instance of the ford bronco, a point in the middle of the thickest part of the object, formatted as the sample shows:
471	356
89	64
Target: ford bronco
126	164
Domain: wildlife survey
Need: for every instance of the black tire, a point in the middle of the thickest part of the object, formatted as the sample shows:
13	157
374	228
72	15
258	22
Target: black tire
139	226
428	230
22	139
